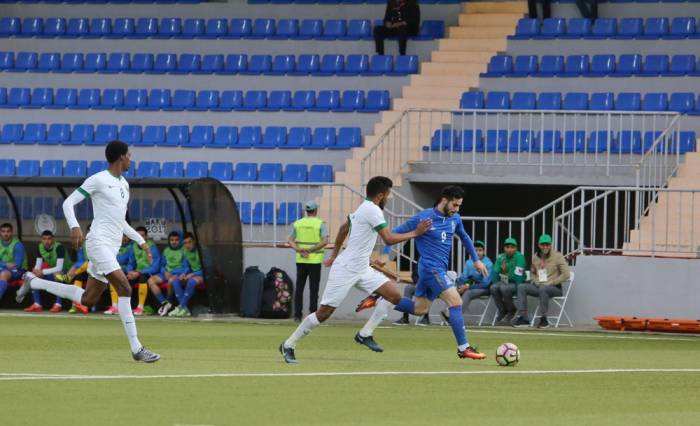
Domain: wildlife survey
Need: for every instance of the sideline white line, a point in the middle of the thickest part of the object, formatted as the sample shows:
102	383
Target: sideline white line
352	373
590	334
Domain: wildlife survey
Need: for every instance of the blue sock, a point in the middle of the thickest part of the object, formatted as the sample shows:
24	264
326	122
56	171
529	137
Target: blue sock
3	288
189	292
457	324
405	305
160	297
177	289
36	295
59	301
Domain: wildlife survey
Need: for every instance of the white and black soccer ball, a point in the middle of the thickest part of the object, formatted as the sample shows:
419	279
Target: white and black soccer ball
507	355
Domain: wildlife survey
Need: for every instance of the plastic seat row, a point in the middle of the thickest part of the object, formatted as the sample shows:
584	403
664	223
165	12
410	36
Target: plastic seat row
595	66
602	141
182	136
626	28
345	1
188	63
332	29
263	213
190	100
683	102
99	1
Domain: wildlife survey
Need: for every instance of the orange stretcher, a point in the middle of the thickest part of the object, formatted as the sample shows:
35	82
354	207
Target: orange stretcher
649	324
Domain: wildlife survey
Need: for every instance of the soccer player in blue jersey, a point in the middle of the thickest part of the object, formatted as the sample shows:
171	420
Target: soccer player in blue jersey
435	247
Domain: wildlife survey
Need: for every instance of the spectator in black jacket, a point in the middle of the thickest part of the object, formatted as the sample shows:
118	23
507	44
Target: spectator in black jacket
401	19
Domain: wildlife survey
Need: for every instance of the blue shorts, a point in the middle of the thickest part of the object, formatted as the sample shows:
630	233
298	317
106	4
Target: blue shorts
198	274
431	284
16	274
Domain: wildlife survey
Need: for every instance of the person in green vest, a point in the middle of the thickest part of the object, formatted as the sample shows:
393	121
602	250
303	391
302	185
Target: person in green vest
308	238
508	272
51	259
13	257
173	263
140	270
186	284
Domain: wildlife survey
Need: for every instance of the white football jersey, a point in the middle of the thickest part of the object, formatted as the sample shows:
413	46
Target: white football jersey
110	200
365	222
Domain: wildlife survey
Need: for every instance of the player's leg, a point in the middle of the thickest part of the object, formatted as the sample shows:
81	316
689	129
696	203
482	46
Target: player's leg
522	291
452	298
58	304
142	282
190	289
4	279
32	283
302	274
154	283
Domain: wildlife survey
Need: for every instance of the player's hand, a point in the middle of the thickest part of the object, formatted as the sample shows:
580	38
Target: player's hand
76	237
37	272
424	226
304	253
481	268
381	260
10	266
328	262
146	248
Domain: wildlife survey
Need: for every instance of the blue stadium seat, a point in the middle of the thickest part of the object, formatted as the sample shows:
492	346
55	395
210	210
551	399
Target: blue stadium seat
688	140
310	29
598	142
9	26
28	168
298	137
104	134
169	27
135	99
58	133
497	100
158	99
211	64
307	64
355	65
575	101
494	139
655	28
225	137
351	100
131	134
377	100
249	136
321	173
192	28
655	102
75	168
627	65
274	136
188	63
246	172
40	98
201	136
629	28
552	28
358	29
31	27
216	28
577	28
603	28
295	173
81	134
546	141
654	65
230	100
550	65
524	65
302	100
71	62
164	63
235	64
222	171
97	166
278	100
177	136
681	65
442	140
348	137
270	172
575	66
77	27
602	65
626	141
334	29
7	167
431	30
681	27
49	62
239	28
245	212
682	102
111	98
94	62
25	61
7	60
602	101
52	168
123	27
100	27
258	64
148	169
523	100
205	100
263	28
172	170
323	137
472	100
263	213
380	65
405	64
288	213
526	28
254	100
153	135
549	101
574	141
467	141
141	62
197	170
146	27
286	28
33	133
117	63
520	141
330	65
499	66
628	101
327	100
182	100
88	98
11	133
3	97
647	141
282	64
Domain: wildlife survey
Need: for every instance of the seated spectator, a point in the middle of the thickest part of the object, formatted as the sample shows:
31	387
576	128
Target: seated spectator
188	280
546	8
549	271
401	19
51	258
471	284
13	258
139	270
508	273
173	263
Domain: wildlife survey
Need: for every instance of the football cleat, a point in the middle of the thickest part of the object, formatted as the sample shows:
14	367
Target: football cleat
368	302
369	342
26	286
288	354
145	355
471	353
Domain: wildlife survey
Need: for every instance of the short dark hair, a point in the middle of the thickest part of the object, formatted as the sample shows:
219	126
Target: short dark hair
173	234
142	229
114	150
378	185
188	235
47	233
6	225
452	192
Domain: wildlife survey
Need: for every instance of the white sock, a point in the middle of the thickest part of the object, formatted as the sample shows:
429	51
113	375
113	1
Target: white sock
65	291
380	312
127	317
461	348
309	323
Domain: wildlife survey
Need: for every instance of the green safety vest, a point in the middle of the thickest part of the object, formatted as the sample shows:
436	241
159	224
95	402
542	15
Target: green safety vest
308	233
141	257
7	253
51	256
173	258
193	259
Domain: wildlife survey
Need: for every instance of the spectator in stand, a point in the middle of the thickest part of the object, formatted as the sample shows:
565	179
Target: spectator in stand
190	280
51	258
508	273
546	8
173	263
588	8
140	270
401	19
13	258
549	271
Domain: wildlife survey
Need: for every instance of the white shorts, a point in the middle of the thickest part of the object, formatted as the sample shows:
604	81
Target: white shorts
103	259
341	280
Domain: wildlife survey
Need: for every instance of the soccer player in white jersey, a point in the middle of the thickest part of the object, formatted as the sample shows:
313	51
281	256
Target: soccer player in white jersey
109	192
352	267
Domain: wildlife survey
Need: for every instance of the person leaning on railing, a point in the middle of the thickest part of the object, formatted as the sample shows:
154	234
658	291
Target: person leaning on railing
508	273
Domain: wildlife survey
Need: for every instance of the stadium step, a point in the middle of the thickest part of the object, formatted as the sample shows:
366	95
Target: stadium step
493	44
461	57
445	80
490	20
495	7
431	68
480	32
436	103
427	92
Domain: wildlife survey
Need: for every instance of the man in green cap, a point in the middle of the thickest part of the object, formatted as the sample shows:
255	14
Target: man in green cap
308	238
508	273
549	270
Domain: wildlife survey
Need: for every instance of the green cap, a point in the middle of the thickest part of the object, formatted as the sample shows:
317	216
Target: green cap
545	239
311	205
479	243
510	242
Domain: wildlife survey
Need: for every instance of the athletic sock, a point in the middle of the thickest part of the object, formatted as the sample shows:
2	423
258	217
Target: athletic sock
405	305
113	295
160	298
127	317
70	292
3	288
78	283
36	296
176	285
457	324
380	312
189	292
309	323
143	293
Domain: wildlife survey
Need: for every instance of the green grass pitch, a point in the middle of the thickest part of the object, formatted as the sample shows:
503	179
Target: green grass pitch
230	373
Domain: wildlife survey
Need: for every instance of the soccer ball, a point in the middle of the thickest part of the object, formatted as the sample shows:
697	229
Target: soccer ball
507	355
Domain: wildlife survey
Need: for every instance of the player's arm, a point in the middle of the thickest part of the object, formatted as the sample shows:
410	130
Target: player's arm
339	240
391	238
60	259
520	265
135	236
37	265
76	235
408	226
